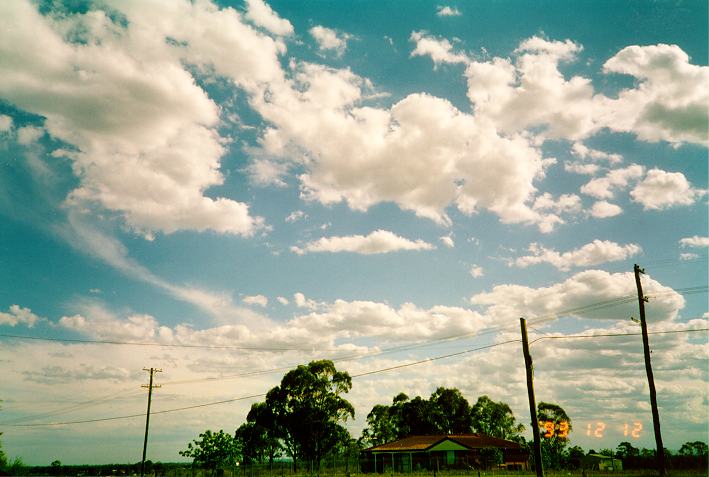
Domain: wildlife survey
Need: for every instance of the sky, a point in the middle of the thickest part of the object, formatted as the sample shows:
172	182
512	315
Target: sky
225	190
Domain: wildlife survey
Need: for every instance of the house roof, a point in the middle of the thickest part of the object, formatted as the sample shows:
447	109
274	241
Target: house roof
422	443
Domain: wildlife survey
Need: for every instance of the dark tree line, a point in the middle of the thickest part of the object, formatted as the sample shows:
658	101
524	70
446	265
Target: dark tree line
303	417
300	418
446	411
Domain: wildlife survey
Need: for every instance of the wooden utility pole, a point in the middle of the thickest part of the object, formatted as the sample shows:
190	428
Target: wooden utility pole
532	402
150	387
650	379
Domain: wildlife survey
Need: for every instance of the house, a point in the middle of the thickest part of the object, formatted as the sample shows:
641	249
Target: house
440	452
601	462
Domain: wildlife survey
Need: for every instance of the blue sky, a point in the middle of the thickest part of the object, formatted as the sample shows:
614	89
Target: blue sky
254	186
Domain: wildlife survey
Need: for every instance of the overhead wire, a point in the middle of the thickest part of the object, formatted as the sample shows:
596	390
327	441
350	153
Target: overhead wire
536	320
367	373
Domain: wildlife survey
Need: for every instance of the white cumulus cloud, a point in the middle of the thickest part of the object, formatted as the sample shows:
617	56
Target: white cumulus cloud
379	241
476	271
263	15
144	132
329	39
580	296
446	11
594	253
603	209
694	241
671	101
17	315
615	179
258	300
661	190
439	49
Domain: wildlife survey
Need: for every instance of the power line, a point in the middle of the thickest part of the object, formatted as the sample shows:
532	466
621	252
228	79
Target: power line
435	358
367	373
537	319
144	343
606	335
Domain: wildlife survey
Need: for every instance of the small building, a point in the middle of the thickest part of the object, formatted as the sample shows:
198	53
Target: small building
443	452
601	462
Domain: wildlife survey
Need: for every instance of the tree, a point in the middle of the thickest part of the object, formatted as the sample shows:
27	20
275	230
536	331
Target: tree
307	407
555	426
213	450
381	426
452	411
574	456
418	416
696	448
257	435
626	449
495	419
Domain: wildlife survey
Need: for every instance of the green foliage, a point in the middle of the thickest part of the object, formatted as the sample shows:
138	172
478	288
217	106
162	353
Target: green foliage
495	419
3	457
626	449
306	408
257	436
213	450
381	426
573	457
696	448
16	467
553	455
445	412
452	411
490	457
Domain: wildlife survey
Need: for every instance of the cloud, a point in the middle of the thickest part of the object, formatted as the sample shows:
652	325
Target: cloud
688	256
615	179
447	240
662	190
579	296
90	240
29	134
603	209
282	300
295	216
584	152
104	325
694	241
265	172
476	271
586	169
531	92
145	134
302	302
259	300
263	15
446	11
594	253
329	39
5	123
352	319
83	372
564	204
379	241
16	315
422	153
670	101
440	50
